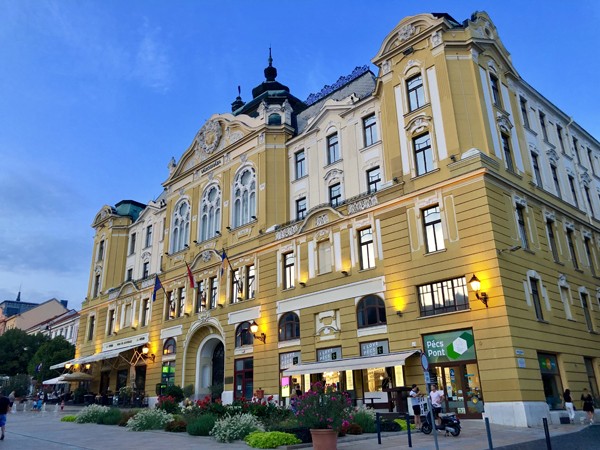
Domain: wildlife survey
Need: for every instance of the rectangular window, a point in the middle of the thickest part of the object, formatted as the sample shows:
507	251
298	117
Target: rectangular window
145	312
148	236
129	276
236	286
370	130
589	199
535	297
423	154
335	195
333	149
213	292
576	149
416	92
588	252
289	275
91	326
301	208
146	270
181	303
201	297
543	126
586	311
522	227
551	380
432	222
572	250
565	297
300	163
589	369
552	239
555	179
559	132
573	191
495	91
443	297
536	169
111	321
127	317
366	248
510	165
373	180
171	305
97	285
168	373
101	251
524	112
324	256
132	243
250	281
591	160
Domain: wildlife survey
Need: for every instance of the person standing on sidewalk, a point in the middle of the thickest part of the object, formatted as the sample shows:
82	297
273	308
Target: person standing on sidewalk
436	402
588	405
569	404
416	405
4	407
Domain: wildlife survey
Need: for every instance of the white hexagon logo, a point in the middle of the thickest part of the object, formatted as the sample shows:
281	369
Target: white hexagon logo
460	345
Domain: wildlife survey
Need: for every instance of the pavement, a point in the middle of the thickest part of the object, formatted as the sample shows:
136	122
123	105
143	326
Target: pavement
27	429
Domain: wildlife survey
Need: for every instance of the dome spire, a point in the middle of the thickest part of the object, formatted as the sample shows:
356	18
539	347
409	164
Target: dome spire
270	71
238	102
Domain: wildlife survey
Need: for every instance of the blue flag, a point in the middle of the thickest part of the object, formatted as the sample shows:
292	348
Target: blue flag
157	286
224	261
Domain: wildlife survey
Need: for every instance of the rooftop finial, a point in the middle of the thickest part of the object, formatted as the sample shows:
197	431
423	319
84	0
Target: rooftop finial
270	72
238	102
270	57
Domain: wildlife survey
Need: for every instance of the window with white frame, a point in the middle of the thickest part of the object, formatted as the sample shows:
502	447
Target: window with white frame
181	301
366	248
536	169
432	223
201	304
145	312
148	242
370	311
128	315
171	305
213	291
554	172
100	251
146	270
244	197
586	311
507	150
333	148
552	239
586	190
249	282
576	149
210	213
324	256
110	325
565	297
572	248
416	92
132	237
370	130
495	85
301	208
443	297
559	133
300	163
181	226
373	180
588	252
543	125
573	190
96	290
534	285
335	194
129	275
91	328
423	154
236	287
289	274
524	112
522	226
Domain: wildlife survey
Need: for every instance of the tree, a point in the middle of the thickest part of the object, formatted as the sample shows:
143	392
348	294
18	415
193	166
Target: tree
16	350
49	353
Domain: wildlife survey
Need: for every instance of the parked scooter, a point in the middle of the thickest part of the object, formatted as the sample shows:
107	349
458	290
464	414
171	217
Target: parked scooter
448	423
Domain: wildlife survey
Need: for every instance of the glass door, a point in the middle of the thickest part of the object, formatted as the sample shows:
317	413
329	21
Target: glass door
462	389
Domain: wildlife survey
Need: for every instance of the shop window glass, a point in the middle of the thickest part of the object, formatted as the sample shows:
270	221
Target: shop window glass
551	380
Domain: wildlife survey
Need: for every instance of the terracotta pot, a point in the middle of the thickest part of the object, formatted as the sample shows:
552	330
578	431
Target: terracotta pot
324	439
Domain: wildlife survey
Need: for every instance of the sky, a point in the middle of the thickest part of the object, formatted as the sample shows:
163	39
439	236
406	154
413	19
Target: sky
97	96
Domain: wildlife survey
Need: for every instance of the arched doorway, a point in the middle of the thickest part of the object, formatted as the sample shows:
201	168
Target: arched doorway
210	368
218	371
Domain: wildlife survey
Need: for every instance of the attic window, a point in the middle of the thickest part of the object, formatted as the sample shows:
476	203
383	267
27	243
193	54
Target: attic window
274	119
488	33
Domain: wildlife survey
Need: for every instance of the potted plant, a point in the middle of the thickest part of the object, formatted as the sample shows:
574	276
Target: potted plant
324	410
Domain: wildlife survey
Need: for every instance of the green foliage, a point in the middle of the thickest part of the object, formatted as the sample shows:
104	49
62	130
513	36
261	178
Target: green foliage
390	425
176	392
323	406
126	415
17	349
168	404
110	417
201	425
91	414
191	410
270	439
18	383
232	428
365	421
402	423
68	418
176	426
149	419
50	352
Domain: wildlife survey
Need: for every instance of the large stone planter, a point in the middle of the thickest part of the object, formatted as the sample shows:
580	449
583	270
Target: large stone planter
324	439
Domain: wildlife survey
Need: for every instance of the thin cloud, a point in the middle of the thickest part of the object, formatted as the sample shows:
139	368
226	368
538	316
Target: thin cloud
152	67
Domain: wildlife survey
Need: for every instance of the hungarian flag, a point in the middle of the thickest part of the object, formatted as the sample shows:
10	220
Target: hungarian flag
190	276
157	285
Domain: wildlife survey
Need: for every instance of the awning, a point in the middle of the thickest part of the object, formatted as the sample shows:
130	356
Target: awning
76	376
107	354
361	362
57	380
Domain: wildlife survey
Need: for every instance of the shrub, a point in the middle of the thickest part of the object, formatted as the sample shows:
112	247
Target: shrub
188	390
201	425
149	419
390	425
176	392
195	409
110	417
324	406
354	428
364	420
270	439
231	428
176	426
91	414
68	418
126	415
402	423
168	404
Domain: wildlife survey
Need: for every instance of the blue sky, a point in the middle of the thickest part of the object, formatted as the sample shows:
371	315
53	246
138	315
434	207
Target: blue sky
97	96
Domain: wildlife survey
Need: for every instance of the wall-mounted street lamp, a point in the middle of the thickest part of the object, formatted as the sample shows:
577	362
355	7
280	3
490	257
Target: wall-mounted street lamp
476	285
146	353
254	329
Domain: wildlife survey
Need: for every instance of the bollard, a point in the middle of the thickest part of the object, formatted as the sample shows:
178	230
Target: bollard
547	433
489	433
407	418
378	426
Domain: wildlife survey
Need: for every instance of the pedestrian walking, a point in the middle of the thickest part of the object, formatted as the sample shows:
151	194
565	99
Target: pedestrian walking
588	405
569	404
4	407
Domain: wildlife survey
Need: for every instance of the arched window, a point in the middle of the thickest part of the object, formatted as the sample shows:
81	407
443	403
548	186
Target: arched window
243	335
244	197
210	213
274	119
370	311
181	227
170	347
289	327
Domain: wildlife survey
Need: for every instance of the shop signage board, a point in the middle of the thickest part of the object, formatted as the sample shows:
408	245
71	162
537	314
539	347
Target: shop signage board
449	347
329	354
287	360
374	348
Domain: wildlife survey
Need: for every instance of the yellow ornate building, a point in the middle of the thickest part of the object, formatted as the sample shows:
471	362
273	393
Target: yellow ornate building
442	205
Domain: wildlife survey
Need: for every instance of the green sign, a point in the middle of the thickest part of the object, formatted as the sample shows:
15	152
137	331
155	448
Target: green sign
452	346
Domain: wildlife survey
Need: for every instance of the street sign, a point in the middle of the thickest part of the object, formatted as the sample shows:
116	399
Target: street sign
427	377
424	362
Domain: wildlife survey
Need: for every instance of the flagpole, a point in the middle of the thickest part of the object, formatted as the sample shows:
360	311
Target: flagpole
237	282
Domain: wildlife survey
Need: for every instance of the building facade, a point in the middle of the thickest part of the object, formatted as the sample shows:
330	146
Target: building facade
441	206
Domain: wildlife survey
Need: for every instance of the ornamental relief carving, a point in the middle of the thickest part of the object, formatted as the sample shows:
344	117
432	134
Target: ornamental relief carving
406	32
418	124
209	136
